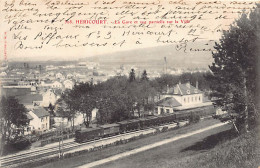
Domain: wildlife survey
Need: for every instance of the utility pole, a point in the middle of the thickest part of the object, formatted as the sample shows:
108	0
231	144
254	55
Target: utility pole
61	141
62	138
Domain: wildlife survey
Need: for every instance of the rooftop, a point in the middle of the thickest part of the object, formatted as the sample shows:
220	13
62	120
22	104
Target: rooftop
29	116
18	91
168	102
182	89
40	112
29	98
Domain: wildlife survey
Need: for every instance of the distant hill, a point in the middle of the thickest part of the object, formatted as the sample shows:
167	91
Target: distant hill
155	56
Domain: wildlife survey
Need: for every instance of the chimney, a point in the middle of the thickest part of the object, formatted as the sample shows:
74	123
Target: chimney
167	88
197	85
175	89
188	84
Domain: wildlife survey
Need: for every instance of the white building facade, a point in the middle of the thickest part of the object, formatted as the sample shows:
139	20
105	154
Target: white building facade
180	97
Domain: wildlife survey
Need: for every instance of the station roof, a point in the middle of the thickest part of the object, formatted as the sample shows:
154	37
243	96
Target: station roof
168	102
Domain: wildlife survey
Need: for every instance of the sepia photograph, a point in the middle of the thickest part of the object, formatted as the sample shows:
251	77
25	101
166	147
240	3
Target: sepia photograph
129	83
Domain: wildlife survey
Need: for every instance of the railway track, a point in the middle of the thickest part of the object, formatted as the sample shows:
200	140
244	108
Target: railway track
32	155
35	154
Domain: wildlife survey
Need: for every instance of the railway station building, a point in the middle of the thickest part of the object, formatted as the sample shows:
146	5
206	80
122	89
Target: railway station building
181	97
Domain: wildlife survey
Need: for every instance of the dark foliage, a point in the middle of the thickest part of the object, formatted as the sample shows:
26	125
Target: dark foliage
132	75
119	98
144	76
234	70
12	114
193	118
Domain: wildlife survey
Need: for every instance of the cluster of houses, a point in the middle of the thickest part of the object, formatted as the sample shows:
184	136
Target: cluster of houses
38	87
38	90
37	95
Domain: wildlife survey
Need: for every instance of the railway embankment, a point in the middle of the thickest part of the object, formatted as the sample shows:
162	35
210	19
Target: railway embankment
139	140
69	149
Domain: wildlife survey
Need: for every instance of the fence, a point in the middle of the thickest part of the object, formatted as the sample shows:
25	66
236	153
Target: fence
56	139
52	136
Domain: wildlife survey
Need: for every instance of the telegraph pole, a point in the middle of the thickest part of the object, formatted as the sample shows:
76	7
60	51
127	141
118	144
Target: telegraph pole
61	140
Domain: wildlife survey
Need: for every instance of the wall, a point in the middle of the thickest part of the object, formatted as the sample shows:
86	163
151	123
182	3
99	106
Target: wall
40	124
45	123
189	99
158	110
48	98
35	122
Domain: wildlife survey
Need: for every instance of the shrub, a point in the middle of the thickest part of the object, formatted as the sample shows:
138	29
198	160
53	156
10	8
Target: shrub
20	142
193	118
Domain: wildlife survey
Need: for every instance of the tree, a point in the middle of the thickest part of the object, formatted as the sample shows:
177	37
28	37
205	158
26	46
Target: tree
139	93
234	70
144	76
148	94
106	108
12	115
161	82
112	100
87	99
114	103
68	105
132	75
51	109
134	93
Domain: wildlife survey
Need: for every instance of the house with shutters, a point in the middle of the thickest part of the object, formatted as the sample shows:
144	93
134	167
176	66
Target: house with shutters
181	97
39	120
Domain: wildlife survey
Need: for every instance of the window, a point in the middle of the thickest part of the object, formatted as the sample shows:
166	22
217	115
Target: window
184	100
162	111
167	111
196	98
199	98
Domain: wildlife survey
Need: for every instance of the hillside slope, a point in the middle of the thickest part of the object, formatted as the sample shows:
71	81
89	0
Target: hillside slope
240	152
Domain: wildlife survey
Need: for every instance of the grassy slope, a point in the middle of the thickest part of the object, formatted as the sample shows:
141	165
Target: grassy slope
243	151
110	151
220	150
